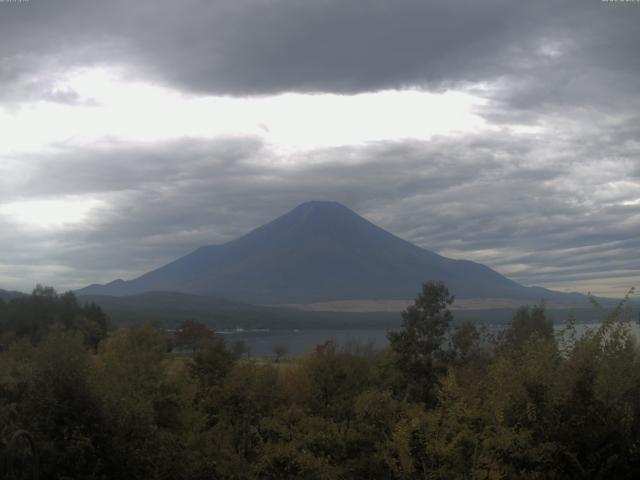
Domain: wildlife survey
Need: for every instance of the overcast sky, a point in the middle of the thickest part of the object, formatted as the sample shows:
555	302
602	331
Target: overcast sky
132	132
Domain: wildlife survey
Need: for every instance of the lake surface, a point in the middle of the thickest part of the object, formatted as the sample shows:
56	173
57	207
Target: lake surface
261	342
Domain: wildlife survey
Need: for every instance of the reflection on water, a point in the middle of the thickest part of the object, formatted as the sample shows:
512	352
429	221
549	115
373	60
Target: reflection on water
262	342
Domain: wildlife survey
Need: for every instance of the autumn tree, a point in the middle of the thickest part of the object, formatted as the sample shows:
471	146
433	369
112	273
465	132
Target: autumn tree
418	346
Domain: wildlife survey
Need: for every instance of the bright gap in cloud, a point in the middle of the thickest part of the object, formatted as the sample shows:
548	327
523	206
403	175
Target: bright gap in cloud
111	106
49	214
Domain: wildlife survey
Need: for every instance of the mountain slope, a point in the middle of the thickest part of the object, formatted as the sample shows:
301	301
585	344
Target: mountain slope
319	251
6	295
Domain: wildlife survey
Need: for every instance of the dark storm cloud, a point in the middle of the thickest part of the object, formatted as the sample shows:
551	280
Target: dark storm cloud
256	47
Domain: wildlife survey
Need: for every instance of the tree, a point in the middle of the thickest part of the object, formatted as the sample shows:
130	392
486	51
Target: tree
211	363
60	407
193	335
131	380
279	351
527	322
418	346
465	342
35	315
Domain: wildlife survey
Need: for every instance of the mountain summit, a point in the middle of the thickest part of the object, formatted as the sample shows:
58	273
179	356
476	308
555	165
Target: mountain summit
317	252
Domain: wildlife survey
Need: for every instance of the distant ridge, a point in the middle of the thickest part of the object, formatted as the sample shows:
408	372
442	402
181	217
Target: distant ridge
7	295
319	252
170	308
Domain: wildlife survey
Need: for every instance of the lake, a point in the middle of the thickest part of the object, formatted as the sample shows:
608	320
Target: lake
261	342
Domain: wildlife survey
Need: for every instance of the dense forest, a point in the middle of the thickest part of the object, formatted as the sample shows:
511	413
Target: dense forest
445	400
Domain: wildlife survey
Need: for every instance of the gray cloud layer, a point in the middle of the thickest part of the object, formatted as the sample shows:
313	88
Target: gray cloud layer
256	46
555	208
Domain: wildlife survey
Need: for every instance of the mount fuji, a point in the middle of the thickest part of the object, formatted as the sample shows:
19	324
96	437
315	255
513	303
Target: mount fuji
321	252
